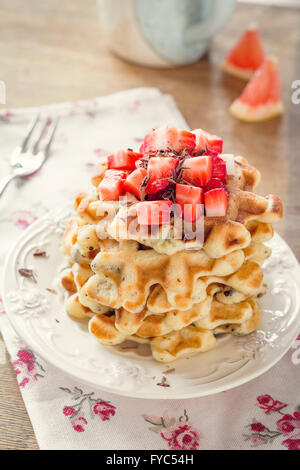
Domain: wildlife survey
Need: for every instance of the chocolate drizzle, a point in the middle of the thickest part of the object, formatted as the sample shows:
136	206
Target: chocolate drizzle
169	193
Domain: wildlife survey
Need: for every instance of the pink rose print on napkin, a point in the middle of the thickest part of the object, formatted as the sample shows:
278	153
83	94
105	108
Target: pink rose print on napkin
259	427
79	423
27	368
86	405
288	425
90	108
6	117
23	219
178	434
100	152
104	410
292	444
133	108
258	441
268	404
181	438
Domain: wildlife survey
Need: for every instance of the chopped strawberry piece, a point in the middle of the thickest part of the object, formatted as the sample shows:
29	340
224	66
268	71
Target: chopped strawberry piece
142	150
112	185
113	174
190	199
110	189
123	160
159	195
134	181
198	170
159	170
153	212
214	183
169	138
216	202
206	140
219	169
98	173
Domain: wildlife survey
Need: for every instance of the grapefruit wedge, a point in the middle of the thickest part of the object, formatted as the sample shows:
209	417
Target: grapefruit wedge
246	56
260	99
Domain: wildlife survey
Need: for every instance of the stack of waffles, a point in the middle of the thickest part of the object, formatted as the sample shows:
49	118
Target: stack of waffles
175	294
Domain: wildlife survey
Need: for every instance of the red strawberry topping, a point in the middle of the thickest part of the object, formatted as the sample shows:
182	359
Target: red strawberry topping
214	183
198	170
133	183
160	169
190	198
172	165
112	185
206	140
219	169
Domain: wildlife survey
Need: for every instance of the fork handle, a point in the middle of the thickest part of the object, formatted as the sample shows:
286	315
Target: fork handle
4	182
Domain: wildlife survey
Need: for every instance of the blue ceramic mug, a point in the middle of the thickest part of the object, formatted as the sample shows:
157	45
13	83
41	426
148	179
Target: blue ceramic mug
162	33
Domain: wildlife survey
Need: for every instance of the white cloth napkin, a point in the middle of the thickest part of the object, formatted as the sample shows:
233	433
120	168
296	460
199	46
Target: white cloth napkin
65	414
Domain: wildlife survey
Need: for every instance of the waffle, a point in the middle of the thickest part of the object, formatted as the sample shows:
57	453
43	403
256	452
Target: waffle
75	309
218	303
188	341
124	278
222	235
175	294
244	283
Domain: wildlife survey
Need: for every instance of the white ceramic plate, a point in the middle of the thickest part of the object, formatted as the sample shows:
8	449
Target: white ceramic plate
39	318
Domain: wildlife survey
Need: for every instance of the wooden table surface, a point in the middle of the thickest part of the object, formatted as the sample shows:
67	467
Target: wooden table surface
53	51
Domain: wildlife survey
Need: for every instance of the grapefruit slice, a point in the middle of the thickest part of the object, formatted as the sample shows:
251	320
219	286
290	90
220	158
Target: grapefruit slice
260	99
246	56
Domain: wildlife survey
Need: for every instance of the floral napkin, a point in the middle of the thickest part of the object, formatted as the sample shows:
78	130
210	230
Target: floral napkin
65	414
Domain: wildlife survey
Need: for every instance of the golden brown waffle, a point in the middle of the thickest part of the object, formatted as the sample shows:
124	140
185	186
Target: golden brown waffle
221	236
243	328
188	341
193	339
75	309
210	311
72	279
124	278
103	328
95	307
198	336
244	283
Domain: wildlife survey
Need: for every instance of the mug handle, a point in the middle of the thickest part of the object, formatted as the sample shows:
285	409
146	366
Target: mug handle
220	13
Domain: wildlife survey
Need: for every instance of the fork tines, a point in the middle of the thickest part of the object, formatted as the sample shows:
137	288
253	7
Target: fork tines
48	128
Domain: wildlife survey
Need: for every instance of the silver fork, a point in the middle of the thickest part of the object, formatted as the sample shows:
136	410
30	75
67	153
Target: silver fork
27	158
